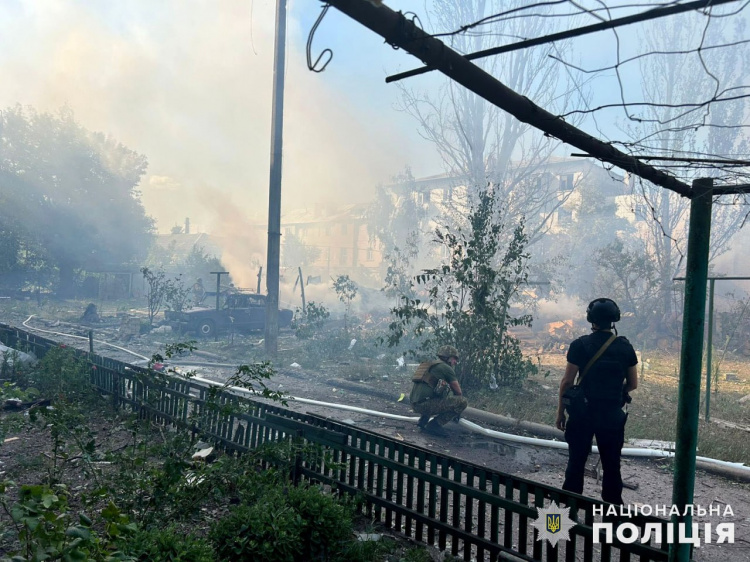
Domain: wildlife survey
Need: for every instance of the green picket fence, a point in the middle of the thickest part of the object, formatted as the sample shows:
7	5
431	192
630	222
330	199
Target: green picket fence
457	506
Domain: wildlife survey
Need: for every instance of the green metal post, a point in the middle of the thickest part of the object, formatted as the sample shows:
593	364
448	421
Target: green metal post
691	361
709	345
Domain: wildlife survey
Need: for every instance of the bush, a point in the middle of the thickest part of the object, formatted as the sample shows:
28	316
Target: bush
307	324
268	530
61	374
286	525
327	522
167	544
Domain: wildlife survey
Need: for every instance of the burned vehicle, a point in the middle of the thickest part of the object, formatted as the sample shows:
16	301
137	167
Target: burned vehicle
241	312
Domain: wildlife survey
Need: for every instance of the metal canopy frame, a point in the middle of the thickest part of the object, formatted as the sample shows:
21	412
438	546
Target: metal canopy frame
398	31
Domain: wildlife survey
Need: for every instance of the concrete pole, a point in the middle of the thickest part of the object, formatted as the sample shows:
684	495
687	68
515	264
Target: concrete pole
274	189
691	360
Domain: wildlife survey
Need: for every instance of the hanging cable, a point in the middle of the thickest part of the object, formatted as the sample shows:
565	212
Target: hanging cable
314	66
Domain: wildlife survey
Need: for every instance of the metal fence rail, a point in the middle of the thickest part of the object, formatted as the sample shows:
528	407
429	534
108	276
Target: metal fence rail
476	513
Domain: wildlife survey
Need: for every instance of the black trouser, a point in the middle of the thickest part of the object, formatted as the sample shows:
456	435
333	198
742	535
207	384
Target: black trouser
609	431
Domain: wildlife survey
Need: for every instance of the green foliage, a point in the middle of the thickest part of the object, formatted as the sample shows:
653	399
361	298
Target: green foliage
10	391
164	291
199	264
398	280
327	522
169	544
177	349
285	525
346	290
46	529
467	301
268	530
253	378
631	277
151	480
61	374
71	438
54	171
398	222
309	323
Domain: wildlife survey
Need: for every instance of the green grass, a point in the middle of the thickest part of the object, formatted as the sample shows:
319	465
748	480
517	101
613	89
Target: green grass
653	413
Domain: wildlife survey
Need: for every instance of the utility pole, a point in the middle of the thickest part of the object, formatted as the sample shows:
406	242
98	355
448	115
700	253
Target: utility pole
274	189
218	284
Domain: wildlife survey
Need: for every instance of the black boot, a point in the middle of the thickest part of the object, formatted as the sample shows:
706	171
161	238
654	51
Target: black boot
434	428
423	419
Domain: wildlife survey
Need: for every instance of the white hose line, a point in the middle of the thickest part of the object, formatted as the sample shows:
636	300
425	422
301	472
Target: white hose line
629	452
82	338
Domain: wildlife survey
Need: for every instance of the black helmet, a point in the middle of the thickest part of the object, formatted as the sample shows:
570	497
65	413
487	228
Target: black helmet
603	312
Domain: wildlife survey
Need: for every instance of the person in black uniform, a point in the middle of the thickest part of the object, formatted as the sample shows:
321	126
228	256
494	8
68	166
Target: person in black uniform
606	387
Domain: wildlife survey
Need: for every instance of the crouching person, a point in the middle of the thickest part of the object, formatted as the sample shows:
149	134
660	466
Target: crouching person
436	392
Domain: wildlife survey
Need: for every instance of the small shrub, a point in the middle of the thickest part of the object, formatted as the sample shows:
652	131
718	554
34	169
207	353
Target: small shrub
47	530
307	324
167	544
269	530
327	522
60	374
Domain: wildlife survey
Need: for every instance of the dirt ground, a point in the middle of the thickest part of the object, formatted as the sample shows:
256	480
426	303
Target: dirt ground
648	481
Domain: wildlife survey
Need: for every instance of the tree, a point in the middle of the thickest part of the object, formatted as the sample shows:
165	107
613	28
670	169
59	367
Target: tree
671	77
346	290
199	264
467	301
593	225
626	271
164	291
296	253
76	190
480	144
401	228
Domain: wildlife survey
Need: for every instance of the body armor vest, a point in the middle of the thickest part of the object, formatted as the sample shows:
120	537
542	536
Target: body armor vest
422	374
604	382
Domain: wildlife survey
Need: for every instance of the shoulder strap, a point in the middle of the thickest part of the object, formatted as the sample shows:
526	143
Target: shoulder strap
593	360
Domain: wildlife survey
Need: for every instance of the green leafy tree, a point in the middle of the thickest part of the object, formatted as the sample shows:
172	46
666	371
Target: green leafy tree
596	225
162	291
467	300
199	264
626	270
77	191
346	290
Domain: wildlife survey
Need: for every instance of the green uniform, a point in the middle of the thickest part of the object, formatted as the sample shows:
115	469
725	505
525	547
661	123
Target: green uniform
425	402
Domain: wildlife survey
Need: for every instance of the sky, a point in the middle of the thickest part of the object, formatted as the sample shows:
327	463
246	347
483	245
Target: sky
188	83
